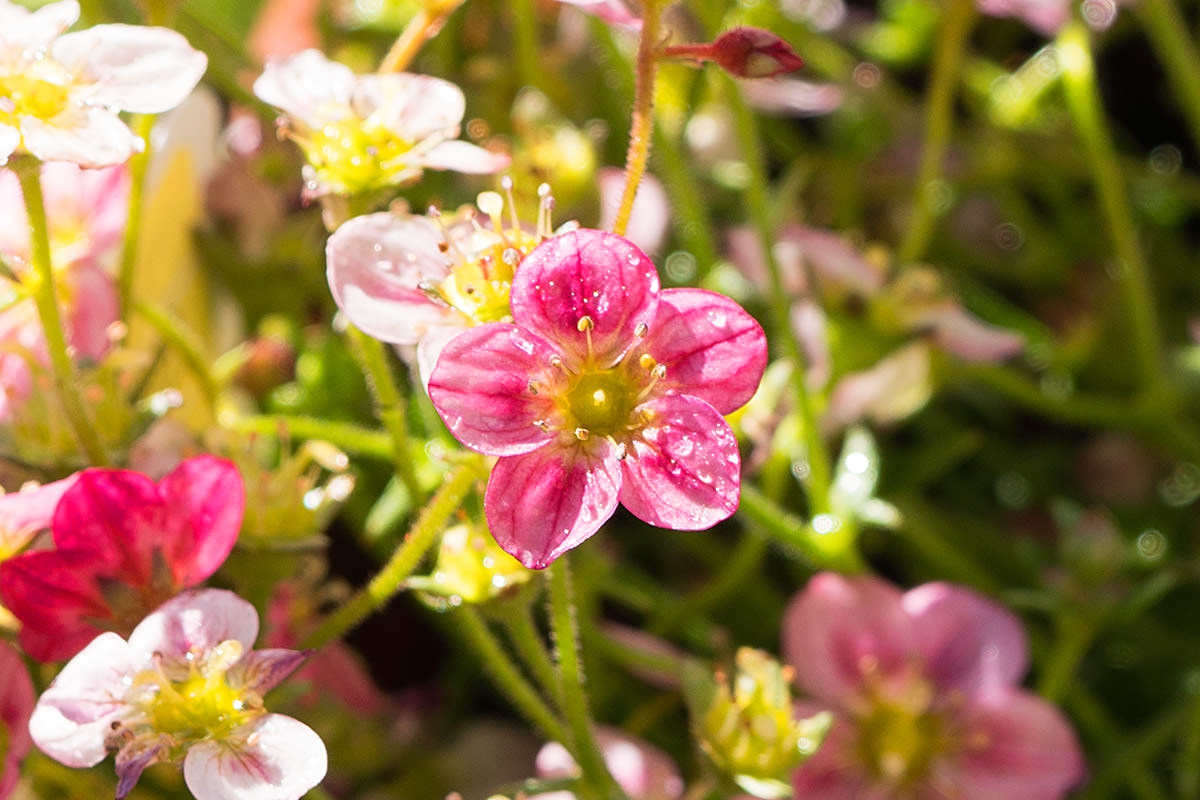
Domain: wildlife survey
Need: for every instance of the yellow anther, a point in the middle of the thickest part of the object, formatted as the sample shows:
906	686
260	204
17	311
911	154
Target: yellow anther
647	362
585	324
582	434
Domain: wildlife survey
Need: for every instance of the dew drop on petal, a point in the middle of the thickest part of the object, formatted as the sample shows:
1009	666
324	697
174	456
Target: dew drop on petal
717	318
684	447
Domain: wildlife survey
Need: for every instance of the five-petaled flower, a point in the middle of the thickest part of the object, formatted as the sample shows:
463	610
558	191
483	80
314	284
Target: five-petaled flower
186	687
924	689
122	546
60	94
603	389
365	132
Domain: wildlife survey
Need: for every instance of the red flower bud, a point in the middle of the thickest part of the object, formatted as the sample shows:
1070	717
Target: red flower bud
744	52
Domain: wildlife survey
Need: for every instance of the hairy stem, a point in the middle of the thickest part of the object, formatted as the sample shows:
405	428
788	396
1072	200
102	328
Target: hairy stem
641	127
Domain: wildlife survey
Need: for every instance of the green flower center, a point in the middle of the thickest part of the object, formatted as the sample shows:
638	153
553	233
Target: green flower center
898	740
29	96
601	402
199	705
356	155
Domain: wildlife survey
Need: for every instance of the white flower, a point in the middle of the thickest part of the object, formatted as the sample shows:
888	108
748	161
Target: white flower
60	94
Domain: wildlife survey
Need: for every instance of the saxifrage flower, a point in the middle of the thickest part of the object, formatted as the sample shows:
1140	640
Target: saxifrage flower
603	389
60	94
16	704
924	688
123	544
186	687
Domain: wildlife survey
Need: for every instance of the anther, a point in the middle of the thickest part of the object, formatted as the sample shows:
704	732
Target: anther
541	425
647	362
622	451
582	434
641	330
506	183
585	324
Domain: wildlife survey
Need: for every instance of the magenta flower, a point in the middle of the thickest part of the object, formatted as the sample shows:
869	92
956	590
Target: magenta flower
924	689
123	545
602	390
186	687
16	704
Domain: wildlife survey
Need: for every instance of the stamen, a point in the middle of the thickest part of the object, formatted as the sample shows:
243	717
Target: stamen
622	451
545	207
657	373
506	183
435	214
641	330
542	425
492	204
585	326
582	434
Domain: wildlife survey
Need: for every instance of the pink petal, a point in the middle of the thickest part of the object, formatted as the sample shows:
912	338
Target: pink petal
836	771
263	670
683	472
272	758
24	513
307	86
197	620
840	629
964	335
74	716
651	213
413	107
967	641
208	494
466	158
711	347
541	504
614	12
586	273
376	264
10	140
1016	746
136	68
892	389
55	595
118	516
793	97
430	348
480	388
95	309
133	758
16	704
642	770
836	262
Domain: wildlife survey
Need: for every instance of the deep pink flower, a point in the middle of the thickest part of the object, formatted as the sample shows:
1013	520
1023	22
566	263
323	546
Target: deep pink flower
186	687
16	704
924	689
602	389
123	545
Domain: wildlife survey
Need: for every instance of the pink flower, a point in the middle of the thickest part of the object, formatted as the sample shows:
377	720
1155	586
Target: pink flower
924	689
1044	16
651	215
614	12
186	687
23	514
642	770
744	52
123	545
16	704
603	389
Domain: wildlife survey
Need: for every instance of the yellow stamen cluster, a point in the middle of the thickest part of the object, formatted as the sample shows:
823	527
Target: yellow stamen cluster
353	155
27	94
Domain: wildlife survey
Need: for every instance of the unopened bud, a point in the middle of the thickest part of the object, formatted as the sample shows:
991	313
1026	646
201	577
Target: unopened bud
744	52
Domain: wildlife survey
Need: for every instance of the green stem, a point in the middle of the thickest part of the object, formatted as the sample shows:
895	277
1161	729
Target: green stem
390	579
1187	770
1125	756
1075	633
142	124
389	404
939	114
45	296
572	683
832	550
641	127
347	436
184	341
531	647
740	567
1131	271
779	302
507	677
1168	34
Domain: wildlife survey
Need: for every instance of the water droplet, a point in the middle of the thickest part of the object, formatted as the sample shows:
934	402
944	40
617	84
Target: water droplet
684	447
718	318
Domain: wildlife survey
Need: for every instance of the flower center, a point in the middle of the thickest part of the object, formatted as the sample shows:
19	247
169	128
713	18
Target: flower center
195	700
356	155
601	402
23	95
899	738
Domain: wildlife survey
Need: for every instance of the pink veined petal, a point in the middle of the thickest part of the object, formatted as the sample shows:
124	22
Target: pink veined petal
117	515
208	493
135	68
711	347
838	629
375	265
586	273
307	86
413	107
263	670
1016	745
55	595
967	641
137	754
683	471
95	307
24	513
430	348
90	137
464	157
199	619
541	504
274	757
74	716
480	388
835	771
962	334
16	704
651	215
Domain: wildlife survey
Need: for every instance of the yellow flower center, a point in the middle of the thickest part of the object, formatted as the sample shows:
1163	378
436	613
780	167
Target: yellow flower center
899	737
200	704
23	95
355	155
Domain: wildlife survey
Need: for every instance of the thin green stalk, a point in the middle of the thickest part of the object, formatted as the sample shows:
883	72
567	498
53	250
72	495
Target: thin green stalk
1167	30
1128	755
1187	763
142	125
1072	409
507	677
389	404
1131	270
531	647
740	567
923	531
184	341
1074	634
573	684
939	115
390	579
641	127
823	551
524	19
352	438
45	296
779	302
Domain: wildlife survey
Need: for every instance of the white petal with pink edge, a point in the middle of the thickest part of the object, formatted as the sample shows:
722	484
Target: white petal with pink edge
273	758
196	620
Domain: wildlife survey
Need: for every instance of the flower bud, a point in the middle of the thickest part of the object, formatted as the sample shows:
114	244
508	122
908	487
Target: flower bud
744	52
470	568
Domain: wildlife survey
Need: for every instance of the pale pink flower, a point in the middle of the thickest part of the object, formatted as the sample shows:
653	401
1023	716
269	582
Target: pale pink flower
603	389
16	704
60	94
651	215
366	132
641	770
1044	16
186	687
614	12
924	688
122	545
23	514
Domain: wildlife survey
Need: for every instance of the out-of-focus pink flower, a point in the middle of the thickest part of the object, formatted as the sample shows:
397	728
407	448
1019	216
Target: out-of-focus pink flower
603	389
186	687
284	27
122	545
16	704
651	210
60	94
614	12
642	770
1044	16
924	689
366	132
898	385
744	52
793	97
23	514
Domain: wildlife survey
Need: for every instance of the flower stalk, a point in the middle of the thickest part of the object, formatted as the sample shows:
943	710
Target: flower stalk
420	29
641	128
133	225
